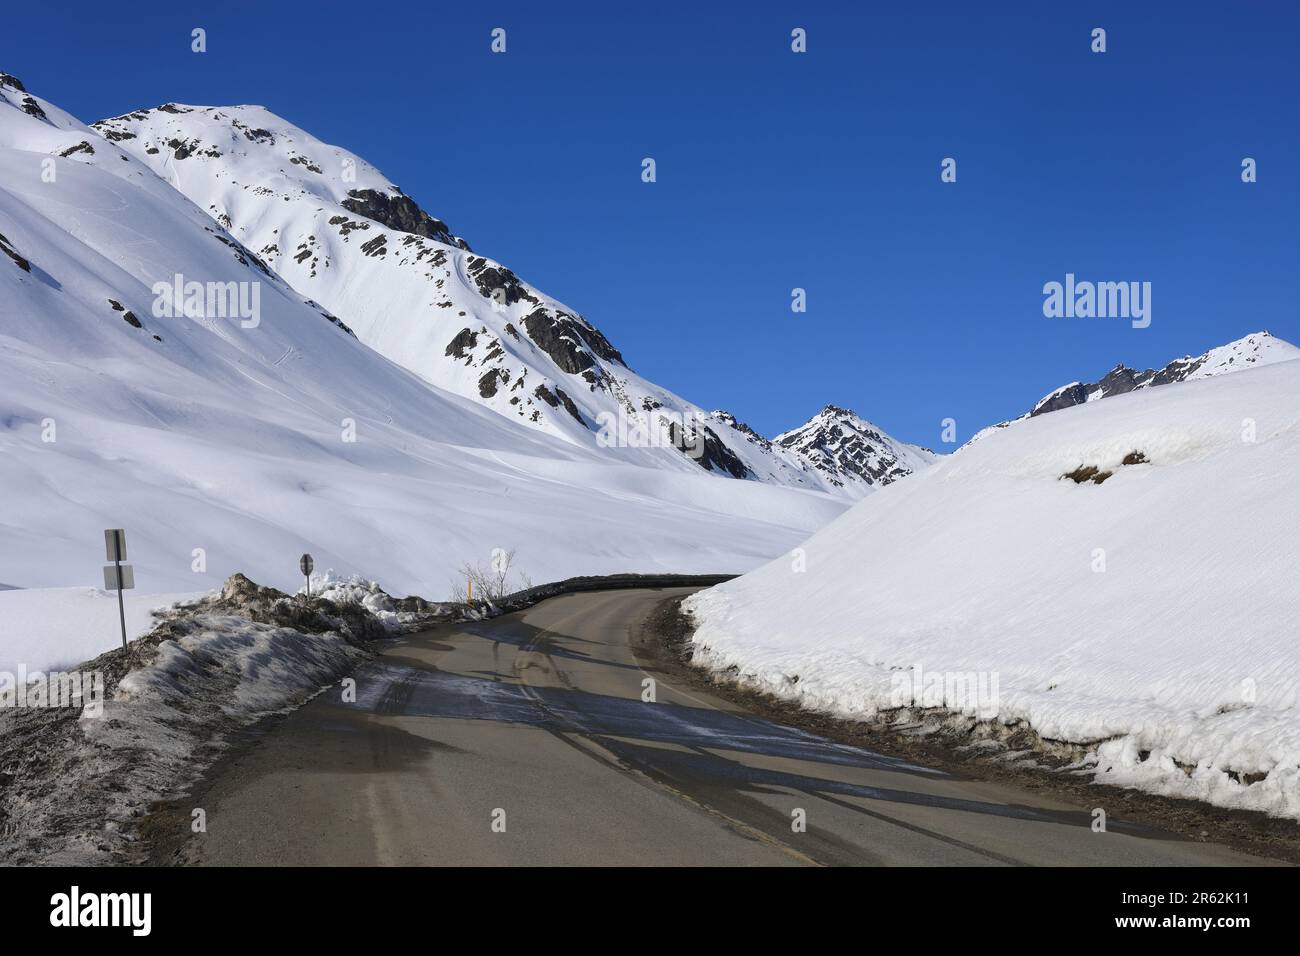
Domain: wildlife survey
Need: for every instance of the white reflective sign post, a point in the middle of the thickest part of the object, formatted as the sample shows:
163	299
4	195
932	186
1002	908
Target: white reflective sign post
305	564
118	576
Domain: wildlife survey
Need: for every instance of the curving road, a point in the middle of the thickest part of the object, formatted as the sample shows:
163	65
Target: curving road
525	740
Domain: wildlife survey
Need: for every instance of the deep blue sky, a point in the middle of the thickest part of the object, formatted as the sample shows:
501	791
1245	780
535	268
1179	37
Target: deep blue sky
779	170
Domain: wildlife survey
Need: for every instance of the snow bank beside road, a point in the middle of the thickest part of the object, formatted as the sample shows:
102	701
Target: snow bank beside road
75	782
241	667
359	590
1151	618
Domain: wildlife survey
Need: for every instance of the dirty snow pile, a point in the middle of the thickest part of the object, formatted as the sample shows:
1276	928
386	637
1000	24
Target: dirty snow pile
242	667
76	779
355	589
395	615
1149	616
49	628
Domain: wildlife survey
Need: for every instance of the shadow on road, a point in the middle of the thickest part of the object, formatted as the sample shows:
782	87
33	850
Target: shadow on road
394	687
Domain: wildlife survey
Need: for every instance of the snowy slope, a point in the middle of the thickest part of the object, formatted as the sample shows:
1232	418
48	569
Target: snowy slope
220	447
342	234
1151	617
54	628
1250	351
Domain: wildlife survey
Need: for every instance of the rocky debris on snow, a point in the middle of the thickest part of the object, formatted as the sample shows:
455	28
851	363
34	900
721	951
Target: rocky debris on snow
558	398
127	314
347	225
1087	473
498	283
399	212
305	163
12	253
184	149
487	384
464	343
376	246
568	342
27	104
251	133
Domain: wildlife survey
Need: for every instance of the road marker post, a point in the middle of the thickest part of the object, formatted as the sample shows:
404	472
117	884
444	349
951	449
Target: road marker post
117	576
305	564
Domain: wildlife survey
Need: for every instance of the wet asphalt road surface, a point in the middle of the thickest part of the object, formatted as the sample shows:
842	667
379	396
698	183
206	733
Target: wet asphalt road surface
525	740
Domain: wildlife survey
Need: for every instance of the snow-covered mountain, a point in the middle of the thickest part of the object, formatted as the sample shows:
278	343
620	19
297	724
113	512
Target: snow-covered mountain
1251	351
848	449
338	231
1143	611
228	441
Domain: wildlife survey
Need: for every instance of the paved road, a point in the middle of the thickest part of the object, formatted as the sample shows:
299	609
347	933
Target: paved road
535	721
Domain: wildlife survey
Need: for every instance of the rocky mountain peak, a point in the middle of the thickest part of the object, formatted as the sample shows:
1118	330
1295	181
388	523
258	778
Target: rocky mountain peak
835	411
1258	348
846	447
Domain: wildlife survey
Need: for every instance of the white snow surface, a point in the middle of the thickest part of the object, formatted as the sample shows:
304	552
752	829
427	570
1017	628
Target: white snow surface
1249	351
1179	663
222	448
44	629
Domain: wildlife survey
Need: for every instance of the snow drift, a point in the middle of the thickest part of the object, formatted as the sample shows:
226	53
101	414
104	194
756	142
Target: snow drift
1148	613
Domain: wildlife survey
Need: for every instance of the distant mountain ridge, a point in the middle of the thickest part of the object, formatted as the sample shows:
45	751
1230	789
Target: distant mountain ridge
1249	351
339	232
222	444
